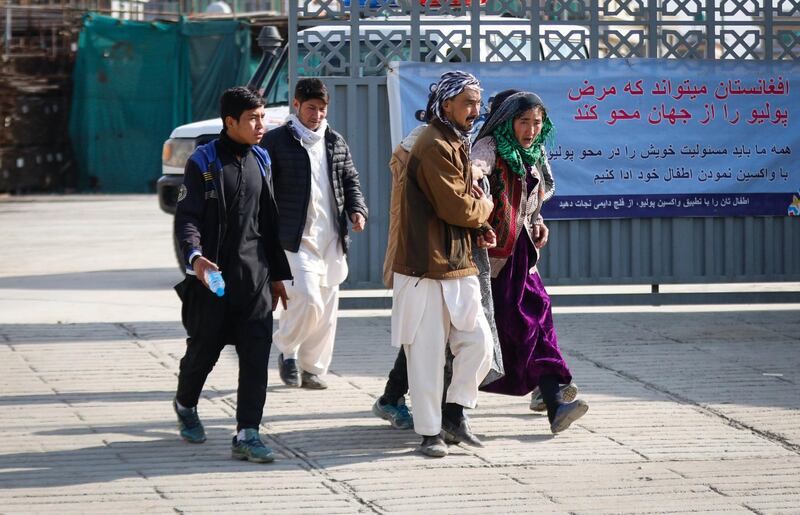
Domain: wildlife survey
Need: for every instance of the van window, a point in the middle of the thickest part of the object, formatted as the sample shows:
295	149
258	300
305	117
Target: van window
279	94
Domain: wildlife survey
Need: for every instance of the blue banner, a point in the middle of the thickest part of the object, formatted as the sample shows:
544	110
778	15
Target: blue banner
648	137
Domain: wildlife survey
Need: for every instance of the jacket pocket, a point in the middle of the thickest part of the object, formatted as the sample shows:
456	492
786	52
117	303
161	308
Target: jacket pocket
455	247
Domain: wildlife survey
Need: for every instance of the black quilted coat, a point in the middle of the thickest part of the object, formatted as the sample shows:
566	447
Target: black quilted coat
291	178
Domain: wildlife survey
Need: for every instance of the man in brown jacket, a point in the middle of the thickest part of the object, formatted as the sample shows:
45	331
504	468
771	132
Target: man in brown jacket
436	290
391	405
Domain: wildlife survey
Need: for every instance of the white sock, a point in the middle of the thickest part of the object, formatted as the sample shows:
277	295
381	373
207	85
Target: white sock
180	406
240	435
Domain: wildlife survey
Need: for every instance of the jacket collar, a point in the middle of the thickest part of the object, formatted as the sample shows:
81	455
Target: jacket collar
448	134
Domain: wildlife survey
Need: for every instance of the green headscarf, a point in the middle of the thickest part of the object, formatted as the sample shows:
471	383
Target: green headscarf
515	154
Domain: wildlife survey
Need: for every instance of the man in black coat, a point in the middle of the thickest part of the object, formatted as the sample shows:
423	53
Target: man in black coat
227	221
318	193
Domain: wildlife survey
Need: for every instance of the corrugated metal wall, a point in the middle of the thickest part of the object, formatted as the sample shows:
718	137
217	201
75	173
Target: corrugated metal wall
580	252
672	250
366	129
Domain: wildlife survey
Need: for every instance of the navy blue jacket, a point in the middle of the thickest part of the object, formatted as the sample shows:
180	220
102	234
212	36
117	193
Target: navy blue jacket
200	217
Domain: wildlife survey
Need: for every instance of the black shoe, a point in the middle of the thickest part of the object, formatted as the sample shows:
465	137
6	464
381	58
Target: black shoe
312	381
287	368
459	433
433	446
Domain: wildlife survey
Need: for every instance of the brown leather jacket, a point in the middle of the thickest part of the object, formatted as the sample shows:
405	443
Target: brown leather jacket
437	212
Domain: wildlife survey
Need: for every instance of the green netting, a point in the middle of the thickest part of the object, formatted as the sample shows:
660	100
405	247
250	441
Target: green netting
136	81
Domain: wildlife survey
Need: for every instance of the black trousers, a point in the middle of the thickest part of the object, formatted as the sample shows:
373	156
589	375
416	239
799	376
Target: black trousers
211	323
397	384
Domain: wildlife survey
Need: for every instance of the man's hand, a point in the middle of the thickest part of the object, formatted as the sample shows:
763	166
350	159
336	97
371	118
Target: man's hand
487	240
540	234
477	191
201	267
278	294
358	222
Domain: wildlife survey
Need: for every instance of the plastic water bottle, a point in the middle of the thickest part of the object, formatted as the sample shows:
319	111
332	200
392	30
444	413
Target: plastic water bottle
215	282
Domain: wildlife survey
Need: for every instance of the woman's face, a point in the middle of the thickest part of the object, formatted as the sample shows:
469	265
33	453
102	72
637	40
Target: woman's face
528	125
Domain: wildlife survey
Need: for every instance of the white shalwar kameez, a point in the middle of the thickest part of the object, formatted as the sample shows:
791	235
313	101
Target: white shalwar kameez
426	315
307	328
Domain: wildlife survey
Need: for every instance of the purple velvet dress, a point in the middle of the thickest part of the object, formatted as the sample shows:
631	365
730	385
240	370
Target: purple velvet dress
525	327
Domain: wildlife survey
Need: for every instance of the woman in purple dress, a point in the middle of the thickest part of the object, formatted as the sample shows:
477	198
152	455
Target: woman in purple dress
510	151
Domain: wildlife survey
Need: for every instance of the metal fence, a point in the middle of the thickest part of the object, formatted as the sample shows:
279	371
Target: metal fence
623	251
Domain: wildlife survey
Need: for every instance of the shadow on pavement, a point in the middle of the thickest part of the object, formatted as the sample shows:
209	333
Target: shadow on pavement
102	397
26	334
159	452
126	279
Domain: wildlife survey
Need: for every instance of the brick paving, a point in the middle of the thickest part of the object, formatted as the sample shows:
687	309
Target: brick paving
690	410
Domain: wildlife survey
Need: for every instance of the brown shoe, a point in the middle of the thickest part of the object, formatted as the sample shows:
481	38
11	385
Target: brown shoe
312	381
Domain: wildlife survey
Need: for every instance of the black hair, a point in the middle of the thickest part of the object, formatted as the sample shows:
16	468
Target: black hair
499	97
309	88
234	101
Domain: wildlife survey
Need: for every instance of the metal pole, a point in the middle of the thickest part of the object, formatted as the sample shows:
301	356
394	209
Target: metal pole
653	43
7	39
292	7
475	28
536	30
416	54
594	29
769	31
711	36
355	39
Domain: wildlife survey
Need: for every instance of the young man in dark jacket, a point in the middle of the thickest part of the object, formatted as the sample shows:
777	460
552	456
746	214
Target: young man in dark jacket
318	193
227	221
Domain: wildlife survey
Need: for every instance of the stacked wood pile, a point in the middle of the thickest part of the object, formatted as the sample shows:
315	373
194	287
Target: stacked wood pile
39	43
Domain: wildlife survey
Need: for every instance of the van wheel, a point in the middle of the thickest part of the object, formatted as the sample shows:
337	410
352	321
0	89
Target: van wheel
178	254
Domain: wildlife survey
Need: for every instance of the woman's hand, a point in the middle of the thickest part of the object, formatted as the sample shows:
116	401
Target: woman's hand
487	240
540	235
477	191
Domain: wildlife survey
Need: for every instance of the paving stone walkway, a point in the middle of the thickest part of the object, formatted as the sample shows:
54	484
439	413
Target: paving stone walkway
691	409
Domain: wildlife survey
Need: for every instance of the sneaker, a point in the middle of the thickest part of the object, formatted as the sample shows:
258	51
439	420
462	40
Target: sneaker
433	446
189	424
398	416
251	448
287	368
568	413
312	381
568	394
